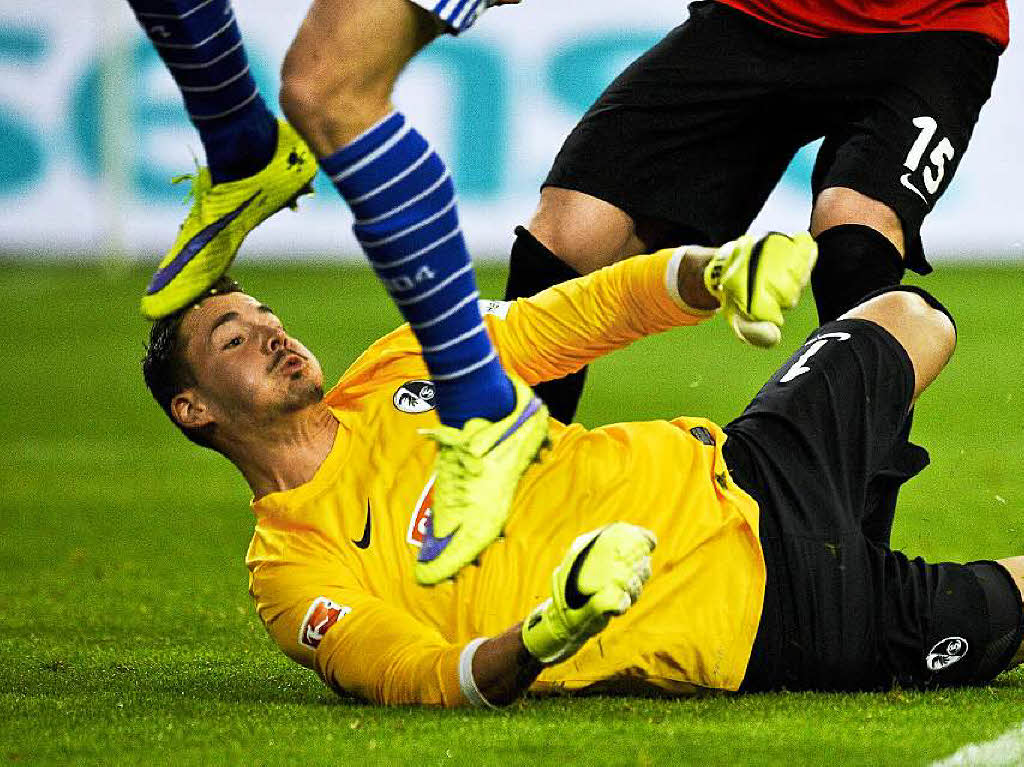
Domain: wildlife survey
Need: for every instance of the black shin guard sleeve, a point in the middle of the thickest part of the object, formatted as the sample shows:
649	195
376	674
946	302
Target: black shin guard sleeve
533	268
853	261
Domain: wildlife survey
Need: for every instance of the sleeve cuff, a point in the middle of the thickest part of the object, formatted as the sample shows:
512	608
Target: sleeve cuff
672	285
466	680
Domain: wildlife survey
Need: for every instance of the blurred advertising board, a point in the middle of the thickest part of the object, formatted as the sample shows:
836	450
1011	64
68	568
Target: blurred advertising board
85	161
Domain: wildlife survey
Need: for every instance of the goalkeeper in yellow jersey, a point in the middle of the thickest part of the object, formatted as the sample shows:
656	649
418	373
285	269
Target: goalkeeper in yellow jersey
668	555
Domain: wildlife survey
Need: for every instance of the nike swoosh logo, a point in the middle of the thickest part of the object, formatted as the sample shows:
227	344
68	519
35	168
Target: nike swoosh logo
364	542
755	261
531	407
432	547
199	240
905	180
574	598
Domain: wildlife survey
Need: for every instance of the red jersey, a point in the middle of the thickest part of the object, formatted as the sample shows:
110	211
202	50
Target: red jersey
836	17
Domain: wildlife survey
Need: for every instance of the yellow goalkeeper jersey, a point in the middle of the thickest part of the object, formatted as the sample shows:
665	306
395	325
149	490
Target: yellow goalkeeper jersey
331	561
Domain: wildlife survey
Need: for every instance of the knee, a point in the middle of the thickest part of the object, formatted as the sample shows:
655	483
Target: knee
330	105
583	232
838	205
921	324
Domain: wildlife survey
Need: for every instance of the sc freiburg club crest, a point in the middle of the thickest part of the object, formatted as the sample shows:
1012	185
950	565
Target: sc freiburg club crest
415	397
946	653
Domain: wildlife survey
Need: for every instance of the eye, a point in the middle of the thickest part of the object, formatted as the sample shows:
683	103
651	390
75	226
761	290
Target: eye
235	341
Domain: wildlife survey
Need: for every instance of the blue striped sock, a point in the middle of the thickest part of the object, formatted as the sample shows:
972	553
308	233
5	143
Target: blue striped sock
404	203
201	44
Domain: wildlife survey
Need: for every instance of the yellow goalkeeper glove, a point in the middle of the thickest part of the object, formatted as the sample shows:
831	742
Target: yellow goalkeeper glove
601	576
754	280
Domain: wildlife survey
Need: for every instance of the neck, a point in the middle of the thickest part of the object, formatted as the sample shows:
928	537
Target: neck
287	452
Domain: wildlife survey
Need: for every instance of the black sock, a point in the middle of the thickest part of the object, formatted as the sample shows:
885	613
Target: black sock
533	268
853	261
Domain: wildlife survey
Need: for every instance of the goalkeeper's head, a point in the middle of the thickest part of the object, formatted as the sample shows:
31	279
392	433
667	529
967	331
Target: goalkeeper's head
223	368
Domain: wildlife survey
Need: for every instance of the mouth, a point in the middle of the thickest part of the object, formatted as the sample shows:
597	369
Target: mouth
288	361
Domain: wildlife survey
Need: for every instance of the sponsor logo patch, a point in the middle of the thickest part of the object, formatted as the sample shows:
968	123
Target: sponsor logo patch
420	514
323	614
497	308
414	397
703	435
946	653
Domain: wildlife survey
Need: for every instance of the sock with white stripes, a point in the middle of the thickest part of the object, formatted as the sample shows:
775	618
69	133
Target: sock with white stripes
404	204
201	45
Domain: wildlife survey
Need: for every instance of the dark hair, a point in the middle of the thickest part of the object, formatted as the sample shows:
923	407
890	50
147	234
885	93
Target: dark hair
165	368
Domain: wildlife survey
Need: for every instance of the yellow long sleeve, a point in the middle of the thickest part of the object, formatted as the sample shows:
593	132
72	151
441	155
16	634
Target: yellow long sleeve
356	642
565	327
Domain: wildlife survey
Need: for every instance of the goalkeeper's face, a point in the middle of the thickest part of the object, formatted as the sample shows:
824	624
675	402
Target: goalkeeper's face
248	371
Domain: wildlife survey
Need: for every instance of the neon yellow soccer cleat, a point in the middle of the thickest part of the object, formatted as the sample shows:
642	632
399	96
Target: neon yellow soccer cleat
478	469
221	217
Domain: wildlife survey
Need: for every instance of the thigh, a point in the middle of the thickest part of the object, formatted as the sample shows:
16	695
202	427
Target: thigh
943	624
823	426
362	45
901	118
691	133
853	615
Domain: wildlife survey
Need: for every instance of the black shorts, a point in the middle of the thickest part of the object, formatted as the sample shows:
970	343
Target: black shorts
695	134
823	449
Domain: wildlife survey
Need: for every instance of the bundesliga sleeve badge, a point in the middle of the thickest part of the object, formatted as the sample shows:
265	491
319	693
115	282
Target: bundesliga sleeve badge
322	614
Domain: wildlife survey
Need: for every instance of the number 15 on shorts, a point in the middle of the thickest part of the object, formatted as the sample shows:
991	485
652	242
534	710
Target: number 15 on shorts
935	171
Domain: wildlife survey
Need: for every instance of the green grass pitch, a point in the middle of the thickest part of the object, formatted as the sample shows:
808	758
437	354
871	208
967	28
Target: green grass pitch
127	637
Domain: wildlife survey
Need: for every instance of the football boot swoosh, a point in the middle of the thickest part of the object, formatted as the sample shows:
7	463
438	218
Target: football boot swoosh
200	240
432	547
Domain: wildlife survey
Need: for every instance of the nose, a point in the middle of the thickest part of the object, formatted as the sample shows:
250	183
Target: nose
276	339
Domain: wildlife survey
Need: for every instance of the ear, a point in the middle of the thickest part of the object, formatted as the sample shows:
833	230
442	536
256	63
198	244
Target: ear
189	410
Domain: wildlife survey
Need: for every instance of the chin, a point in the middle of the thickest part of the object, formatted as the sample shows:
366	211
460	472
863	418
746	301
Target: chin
305	396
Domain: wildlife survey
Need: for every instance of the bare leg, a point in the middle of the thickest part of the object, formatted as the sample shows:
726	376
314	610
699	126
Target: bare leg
583	231
337	82
840	205
926	333
340	70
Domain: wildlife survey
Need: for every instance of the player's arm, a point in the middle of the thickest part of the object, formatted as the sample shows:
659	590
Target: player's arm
566	327
360	645
357	643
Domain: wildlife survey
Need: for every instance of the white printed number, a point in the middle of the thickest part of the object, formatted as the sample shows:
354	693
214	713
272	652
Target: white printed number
942	152
800	366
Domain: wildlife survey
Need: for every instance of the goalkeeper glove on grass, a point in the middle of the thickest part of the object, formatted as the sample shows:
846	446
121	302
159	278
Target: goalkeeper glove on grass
754	280
600	577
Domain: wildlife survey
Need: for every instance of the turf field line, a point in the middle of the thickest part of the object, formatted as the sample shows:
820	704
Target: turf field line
1007	748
